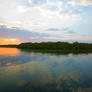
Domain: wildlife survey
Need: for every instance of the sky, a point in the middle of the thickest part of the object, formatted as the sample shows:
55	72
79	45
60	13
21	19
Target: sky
45	20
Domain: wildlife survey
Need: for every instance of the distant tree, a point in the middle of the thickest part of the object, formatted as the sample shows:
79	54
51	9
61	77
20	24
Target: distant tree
63	46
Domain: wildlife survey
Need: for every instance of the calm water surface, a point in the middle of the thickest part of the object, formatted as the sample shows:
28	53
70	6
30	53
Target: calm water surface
22	71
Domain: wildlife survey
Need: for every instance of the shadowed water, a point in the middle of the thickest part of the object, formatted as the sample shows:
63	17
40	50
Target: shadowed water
25	71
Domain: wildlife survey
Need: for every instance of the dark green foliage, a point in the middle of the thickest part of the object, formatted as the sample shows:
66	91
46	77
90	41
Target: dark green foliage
55	46
63	46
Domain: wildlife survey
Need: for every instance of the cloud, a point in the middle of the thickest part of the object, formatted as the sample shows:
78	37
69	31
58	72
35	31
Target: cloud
63	31
22	35
80	2
53	29
38	16
64	34
46	19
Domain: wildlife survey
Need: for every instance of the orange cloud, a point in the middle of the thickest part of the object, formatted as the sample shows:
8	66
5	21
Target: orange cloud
6	41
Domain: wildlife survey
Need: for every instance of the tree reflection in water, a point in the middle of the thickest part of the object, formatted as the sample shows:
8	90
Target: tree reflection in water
43	72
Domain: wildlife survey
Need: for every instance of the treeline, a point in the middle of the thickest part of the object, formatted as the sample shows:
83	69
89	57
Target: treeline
64	46
8	46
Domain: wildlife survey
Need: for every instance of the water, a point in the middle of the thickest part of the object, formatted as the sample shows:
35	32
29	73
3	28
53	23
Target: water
23	71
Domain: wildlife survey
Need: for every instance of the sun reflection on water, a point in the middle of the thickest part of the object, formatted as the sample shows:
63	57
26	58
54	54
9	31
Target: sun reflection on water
9	51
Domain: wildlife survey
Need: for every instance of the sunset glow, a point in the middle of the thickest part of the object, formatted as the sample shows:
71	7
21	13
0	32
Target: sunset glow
6	41
9	51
